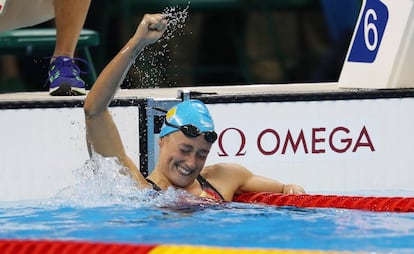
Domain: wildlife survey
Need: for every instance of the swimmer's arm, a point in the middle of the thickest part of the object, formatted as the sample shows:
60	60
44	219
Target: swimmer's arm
248	182
102	134
105	140
262	184
149	31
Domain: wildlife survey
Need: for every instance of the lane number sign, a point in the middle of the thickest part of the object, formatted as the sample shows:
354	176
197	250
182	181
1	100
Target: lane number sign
371	28
381	53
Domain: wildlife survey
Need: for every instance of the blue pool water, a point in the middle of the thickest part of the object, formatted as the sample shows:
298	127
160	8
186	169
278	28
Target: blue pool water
106	207
236	225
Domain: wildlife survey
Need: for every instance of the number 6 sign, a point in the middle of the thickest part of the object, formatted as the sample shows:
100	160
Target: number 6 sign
369	32
381	54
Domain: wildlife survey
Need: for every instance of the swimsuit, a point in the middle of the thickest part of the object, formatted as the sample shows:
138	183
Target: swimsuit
208	191
154	185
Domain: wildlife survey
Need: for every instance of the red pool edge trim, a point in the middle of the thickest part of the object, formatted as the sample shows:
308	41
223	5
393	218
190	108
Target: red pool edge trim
69	247
373	204
83	247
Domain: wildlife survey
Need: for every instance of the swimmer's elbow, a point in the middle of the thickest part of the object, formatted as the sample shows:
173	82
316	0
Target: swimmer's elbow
91	111
88	109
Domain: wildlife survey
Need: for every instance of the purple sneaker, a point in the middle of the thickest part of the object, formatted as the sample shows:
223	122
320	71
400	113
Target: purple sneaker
64	77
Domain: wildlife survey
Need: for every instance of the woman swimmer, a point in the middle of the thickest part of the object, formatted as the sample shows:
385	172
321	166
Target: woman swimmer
185	139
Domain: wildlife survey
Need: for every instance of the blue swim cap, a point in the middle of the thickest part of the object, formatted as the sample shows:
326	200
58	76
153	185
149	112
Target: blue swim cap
192	112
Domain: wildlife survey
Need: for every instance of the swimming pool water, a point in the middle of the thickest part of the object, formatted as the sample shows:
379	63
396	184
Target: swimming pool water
233	224
107	208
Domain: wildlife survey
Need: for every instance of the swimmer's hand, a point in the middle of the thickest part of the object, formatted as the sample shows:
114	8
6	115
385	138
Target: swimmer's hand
293	189
151	28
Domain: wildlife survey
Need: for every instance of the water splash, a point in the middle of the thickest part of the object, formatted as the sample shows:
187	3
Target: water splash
100	181
176	21
103	181
154	62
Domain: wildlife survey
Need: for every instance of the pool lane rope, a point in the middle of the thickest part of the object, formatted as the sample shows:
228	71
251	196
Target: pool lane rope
374	204
73	247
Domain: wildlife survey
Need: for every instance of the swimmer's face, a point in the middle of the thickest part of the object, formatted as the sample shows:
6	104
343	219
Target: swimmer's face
182	158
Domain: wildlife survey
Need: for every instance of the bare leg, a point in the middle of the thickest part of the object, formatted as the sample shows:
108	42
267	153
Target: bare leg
70	17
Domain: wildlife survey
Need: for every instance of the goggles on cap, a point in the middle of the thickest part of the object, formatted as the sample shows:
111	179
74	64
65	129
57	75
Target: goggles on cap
192	131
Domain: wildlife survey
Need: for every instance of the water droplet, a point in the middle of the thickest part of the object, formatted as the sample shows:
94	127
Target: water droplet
153	63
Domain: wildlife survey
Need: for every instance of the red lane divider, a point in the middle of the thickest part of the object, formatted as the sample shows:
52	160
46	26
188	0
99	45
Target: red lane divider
375	204
65	247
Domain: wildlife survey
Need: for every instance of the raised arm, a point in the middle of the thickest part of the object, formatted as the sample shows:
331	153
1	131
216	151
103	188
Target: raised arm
149	31
102	134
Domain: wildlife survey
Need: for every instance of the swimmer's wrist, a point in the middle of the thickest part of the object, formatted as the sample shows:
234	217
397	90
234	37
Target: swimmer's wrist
283	188
136	45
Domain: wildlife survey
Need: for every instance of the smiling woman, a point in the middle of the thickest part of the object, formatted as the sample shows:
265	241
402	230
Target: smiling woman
185	140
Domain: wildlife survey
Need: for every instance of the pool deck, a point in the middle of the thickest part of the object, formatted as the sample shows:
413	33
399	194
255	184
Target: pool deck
164	93
213	94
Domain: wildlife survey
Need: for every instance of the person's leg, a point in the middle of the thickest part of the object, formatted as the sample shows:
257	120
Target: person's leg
70	17
64	74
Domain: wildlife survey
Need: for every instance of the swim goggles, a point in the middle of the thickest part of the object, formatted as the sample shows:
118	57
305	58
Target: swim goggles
192	131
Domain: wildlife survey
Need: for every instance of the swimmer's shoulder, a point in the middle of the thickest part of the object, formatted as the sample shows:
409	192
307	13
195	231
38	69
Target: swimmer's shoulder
224	168
219	174
225	177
